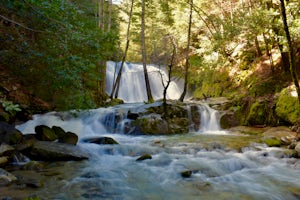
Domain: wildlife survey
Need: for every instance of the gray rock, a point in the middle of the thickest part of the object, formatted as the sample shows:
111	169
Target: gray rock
6	178
6	150
53	151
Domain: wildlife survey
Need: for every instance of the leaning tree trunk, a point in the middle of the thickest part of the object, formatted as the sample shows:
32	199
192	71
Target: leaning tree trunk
291	50
187	54
116	85
144	55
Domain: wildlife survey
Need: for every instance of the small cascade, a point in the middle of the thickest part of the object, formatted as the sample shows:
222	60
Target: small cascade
203	119
132	86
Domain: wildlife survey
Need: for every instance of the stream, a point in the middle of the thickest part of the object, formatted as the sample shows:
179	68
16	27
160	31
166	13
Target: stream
204	163
222	165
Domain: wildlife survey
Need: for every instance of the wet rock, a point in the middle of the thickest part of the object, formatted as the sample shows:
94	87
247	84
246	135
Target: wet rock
132	116
58	131
228	120
3	161
45	133
9	134
69	138
6	150
34	165
65	137
186	174
100	140
53	151
144	157
6	178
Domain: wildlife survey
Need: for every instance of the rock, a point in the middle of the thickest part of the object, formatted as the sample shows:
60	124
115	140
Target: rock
286	140
186	174
272	141
6	178
53	151
132	116
45	133
100	140
228	120
144	157
3	161
280	132
27	143
297	148
58	131
69	138
9	134
6	150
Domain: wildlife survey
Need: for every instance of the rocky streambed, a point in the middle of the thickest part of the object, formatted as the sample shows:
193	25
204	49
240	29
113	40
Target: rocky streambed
87	157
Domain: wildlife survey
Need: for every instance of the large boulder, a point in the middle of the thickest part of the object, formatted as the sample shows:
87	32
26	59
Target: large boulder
54	151
287	106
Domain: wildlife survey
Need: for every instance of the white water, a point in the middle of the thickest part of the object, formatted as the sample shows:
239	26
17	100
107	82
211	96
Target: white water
112	172
133	87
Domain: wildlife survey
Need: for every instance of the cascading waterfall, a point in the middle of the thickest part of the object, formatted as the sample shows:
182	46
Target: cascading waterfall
132	85
205	120
112	171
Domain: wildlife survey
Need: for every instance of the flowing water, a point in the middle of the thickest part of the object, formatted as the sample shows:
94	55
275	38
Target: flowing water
222	165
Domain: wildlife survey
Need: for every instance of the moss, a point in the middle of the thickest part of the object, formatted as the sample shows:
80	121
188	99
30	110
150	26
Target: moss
257	114
272	142
287	106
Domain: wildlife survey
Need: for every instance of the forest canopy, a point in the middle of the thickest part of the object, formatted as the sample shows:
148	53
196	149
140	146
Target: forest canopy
63	45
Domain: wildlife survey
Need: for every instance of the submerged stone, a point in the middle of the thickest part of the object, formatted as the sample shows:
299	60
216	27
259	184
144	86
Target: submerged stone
186	174
144	157
100	140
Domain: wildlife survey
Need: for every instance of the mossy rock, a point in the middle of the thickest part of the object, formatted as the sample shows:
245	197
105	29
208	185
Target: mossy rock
45	133
287	106
257	114
272	141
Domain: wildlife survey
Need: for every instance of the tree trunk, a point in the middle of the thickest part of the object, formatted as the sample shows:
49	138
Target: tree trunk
144	55
269	53
116	85
187	54
291	50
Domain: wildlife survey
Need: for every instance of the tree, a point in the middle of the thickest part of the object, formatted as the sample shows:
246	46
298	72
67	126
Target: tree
187	53
116	84
144	54
291	49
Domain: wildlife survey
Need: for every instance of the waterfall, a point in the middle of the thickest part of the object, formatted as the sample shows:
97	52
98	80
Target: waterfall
133	89
203	119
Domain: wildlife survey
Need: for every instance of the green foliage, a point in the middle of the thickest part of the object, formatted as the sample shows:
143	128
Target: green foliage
60	49
10	107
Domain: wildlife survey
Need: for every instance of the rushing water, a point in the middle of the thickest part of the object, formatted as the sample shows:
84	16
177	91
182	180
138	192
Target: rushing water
223	165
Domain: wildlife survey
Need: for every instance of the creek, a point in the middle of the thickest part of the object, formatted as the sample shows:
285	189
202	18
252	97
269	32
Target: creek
219	164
